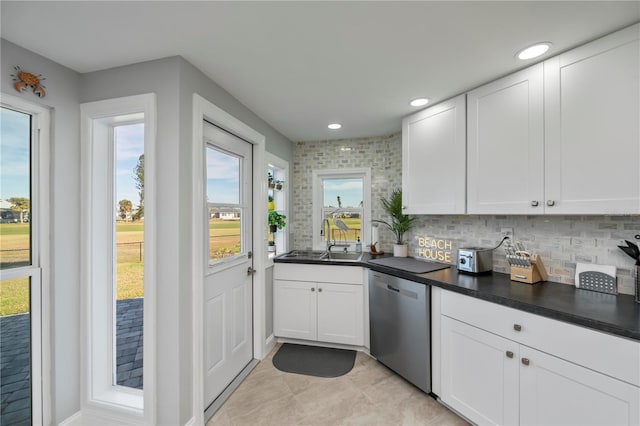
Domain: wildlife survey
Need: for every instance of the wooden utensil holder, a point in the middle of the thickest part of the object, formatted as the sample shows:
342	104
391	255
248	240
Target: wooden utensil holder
530	275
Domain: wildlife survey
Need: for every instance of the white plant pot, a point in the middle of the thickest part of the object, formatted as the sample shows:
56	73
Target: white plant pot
400	250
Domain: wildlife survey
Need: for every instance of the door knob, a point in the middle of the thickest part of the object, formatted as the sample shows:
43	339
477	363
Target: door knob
250	271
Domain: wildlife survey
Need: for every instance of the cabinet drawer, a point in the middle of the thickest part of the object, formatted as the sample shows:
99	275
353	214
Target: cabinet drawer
614	356
315	273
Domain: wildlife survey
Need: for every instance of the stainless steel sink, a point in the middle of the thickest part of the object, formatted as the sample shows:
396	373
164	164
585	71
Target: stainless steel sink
322	255
354	257
305	254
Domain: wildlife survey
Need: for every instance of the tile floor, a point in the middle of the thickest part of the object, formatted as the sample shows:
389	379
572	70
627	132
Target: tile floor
370	394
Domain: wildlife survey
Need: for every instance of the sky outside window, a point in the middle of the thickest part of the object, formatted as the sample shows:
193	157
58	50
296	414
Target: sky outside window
223	177
14	154
350	192
129	146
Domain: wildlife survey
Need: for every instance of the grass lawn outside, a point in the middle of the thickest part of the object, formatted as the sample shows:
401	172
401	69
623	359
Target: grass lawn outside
224	240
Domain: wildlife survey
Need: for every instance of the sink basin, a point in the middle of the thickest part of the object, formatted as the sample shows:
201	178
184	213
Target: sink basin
305	254
344	256
322	255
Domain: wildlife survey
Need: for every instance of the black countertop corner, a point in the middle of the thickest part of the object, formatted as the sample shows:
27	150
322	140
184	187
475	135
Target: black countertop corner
618	315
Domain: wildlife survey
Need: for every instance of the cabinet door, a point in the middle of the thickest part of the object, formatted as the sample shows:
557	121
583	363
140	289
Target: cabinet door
433	159
294	309
340	316
505	145
592	105
557	392
479	375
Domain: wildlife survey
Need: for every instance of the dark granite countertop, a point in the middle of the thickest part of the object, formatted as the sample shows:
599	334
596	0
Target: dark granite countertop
618	315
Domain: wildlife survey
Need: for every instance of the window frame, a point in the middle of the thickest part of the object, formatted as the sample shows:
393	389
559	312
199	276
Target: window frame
98	391
39	270
216	264
318	177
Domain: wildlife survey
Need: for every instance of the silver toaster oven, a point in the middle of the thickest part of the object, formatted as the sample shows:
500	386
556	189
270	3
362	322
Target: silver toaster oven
475	259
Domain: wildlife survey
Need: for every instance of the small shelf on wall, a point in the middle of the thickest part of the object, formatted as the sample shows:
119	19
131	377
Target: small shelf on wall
277	175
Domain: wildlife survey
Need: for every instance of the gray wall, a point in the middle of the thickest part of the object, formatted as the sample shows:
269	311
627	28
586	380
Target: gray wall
174	81
62	86
173	319
560	240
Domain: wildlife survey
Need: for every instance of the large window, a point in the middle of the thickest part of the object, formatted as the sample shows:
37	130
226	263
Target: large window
118	254
23	257
342	206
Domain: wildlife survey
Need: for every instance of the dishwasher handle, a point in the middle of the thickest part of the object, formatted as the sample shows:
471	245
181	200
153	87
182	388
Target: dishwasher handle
392	288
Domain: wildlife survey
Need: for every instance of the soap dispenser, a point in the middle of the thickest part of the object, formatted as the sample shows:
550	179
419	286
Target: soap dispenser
358	246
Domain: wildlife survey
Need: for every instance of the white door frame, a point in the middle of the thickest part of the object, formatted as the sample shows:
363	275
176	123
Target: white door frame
41	401
205	110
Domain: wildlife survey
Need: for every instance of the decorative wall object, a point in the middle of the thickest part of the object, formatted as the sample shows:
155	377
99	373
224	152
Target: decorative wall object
25	79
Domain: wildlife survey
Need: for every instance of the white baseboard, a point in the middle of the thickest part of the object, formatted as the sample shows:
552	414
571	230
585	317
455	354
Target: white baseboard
191	422
269	344
71	420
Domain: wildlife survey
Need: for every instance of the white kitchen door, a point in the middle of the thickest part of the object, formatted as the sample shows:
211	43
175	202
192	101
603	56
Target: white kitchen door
228	281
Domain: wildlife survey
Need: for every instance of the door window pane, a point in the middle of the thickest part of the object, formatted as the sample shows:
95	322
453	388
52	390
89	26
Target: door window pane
223	199
15	189
129	226
15	351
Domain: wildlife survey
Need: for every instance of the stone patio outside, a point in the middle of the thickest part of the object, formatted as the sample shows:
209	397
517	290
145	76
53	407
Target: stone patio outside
15	398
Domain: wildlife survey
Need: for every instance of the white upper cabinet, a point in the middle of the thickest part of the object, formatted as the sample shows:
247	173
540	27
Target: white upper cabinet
505	149
560	137
433	159
592	118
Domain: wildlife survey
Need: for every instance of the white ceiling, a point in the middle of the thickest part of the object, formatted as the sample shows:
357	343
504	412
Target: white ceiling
301	65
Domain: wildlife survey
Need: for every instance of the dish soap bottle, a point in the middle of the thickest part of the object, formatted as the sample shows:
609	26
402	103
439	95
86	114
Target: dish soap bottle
358	246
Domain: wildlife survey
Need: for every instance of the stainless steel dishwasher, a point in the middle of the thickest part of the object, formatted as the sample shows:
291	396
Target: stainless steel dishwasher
400	323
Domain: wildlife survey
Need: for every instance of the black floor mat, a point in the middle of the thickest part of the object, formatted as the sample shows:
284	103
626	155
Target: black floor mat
314	360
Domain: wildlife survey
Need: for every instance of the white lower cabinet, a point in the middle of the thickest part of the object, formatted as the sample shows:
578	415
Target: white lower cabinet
294	307
479	380
331	312
556	392
500	380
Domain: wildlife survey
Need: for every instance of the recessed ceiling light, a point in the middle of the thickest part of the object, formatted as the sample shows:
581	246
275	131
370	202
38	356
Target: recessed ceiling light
533	51
334	126
419	102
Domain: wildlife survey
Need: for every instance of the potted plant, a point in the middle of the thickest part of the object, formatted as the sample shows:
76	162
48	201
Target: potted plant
272	181
271	205
279	185
399	223
276	221
271	246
